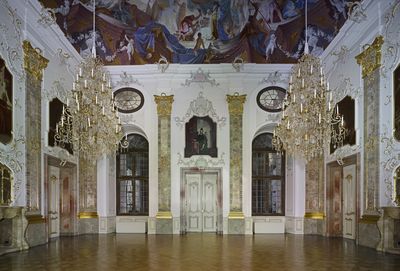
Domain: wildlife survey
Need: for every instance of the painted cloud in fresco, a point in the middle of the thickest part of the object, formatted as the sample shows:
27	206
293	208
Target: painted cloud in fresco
199	31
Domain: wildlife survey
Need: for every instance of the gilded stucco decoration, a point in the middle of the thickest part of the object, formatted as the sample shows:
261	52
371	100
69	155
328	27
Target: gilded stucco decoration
200	107
370	58
235	103
164	104
200	77
34	62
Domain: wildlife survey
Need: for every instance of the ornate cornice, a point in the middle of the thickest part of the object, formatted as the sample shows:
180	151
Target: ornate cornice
164	104
235	103
34	62
370	58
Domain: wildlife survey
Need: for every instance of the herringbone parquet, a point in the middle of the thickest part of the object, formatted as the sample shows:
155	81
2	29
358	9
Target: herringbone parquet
199	252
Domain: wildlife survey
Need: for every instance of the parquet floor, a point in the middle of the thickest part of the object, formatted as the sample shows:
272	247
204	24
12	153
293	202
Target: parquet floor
199	252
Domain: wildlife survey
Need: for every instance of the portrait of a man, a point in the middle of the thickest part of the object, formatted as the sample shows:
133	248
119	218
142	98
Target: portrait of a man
6	104
201	137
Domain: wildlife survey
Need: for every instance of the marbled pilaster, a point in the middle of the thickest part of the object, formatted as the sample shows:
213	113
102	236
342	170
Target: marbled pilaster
370	61
236	222
164	217
34	63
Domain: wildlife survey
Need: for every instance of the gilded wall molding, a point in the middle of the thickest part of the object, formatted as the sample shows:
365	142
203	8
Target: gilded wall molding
235	103
164	104
34	62
370	58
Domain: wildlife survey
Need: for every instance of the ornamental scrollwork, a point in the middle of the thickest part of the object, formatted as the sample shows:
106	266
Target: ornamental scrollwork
200	107
200	161
200	77
127	80
274	78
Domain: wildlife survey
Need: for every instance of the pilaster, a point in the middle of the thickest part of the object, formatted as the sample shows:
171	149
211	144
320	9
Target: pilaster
34	63
370	61
236	221
164	222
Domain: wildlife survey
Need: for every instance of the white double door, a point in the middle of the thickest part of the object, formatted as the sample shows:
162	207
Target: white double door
349	202
201	202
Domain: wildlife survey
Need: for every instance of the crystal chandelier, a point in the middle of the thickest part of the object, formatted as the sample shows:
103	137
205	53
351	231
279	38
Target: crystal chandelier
309	121
90	122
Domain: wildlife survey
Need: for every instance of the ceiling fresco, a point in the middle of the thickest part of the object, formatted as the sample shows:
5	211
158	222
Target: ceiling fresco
199	31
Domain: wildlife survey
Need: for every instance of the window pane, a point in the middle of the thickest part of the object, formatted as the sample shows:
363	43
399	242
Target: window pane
126	197
141	164
274	164
275	196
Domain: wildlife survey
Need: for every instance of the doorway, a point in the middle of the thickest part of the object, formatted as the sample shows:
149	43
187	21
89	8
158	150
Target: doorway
201	200
61	187
342	203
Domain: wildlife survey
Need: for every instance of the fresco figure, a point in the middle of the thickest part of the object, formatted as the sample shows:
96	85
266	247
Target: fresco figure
214	21
267	9
129	48
270	47
315	37
340	8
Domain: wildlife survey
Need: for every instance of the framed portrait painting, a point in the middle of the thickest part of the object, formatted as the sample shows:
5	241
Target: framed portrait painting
201	137
6	103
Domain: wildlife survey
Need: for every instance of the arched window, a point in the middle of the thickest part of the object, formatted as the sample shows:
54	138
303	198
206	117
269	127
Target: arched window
133	177
6	179
268	178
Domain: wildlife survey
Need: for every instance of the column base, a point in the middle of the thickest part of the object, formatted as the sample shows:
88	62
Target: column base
88	222
236	223
164	222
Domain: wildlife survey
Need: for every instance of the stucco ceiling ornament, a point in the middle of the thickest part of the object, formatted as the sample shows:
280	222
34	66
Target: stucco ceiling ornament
127	80
47	17
238	63
274	78
345	88
200	107
200	77
162	64
356	12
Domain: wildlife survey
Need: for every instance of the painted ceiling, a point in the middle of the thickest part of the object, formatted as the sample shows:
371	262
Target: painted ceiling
199	31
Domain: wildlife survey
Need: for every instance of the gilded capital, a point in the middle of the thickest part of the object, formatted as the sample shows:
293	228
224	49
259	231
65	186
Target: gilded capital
235	103
164	104
370	58
34	62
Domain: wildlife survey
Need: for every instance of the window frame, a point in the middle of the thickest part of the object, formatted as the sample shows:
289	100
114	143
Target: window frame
268	178
119	178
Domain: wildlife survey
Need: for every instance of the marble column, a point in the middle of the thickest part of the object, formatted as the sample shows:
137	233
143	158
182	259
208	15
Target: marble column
34	63
236	221
164	215
370	61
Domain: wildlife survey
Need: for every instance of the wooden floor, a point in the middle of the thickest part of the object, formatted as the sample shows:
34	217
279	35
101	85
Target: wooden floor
199	252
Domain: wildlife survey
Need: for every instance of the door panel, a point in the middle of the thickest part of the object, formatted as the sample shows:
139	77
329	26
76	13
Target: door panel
54	201
349	202
201	202
209	202
194	215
